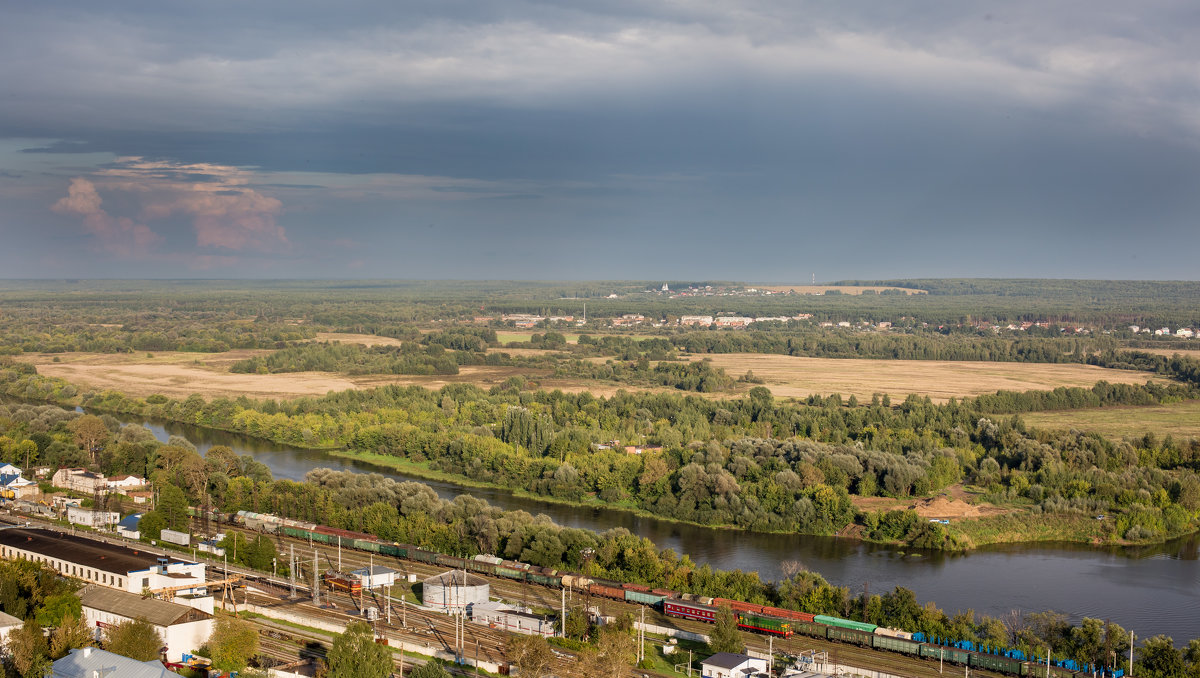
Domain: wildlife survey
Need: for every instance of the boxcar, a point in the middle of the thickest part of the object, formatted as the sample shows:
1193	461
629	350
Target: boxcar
996	663
606	591
687	610
503	571
423	556
897	644
643	597
950	654
788	614
765	624
849	635
543	579
636	587
737	605
810	628
366	545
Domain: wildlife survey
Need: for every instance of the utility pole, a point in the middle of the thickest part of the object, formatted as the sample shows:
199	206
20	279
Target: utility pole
1130	653
316	585
292	569
339	553
641	654
770	652
689	663
404	613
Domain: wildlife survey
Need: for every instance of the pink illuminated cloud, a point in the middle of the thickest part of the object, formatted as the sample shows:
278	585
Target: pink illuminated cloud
118	235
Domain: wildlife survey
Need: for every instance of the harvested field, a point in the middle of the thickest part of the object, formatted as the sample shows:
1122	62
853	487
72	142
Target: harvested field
1181	420
364	339
178	375
1187	352
844	289
790	376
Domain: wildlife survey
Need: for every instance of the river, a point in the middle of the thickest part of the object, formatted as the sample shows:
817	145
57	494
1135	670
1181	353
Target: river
1149	590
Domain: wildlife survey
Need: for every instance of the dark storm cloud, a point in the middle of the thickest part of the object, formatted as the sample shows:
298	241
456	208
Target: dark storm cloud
903	131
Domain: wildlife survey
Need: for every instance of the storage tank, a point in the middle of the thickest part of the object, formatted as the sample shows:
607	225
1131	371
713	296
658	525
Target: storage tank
454	591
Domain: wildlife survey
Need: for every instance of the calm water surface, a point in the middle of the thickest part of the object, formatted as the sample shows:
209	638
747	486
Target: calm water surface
1150	590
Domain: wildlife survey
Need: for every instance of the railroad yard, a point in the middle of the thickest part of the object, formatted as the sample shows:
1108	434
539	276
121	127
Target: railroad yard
293	628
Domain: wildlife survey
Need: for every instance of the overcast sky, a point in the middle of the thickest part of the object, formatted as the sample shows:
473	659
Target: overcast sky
761	141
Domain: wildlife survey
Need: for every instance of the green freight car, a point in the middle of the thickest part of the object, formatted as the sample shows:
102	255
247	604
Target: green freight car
643	598
897	644
996	663
809	628
758	622
950	654
850	635
845	623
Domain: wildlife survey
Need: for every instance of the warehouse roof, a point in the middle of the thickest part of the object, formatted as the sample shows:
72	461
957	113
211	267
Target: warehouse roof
726	660
375	571
456	578
94	661
7	620
86	552
133	606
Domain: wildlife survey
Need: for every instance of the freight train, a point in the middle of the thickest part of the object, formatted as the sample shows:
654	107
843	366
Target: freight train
752	617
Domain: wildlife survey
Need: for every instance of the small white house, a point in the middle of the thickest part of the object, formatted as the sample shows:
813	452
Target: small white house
375	576
9	470
125	482
128	527
732	665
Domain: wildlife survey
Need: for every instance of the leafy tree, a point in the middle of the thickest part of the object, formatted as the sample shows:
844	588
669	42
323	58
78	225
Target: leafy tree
151	525
1159	658
90	434
612	657
56	607
576	624
430	669
136	639
27	647
173	504
72	633
725	636
356	655
233	643
530	654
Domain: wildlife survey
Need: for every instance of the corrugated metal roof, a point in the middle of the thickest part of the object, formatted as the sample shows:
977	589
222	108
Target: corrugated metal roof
82	662
133	606
456	578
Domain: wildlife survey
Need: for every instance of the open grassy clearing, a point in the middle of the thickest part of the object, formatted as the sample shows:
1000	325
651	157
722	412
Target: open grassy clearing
853	290
790	376
505	337
1179	420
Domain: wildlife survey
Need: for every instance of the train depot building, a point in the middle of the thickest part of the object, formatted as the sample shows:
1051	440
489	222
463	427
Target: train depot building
500	616
375	576
117	567
183	629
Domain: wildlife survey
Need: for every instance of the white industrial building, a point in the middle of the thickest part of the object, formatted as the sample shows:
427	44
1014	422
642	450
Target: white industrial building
454	591
183	628
500	616
8	624
77	515
128	569
79	480
732	665
124	483
375	576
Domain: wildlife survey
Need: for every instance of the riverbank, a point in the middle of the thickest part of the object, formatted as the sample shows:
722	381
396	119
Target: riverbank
1022	525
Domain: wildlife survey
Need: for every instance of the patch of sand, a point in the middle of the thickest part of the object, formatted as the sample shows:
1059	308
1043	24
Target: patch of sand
953	504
